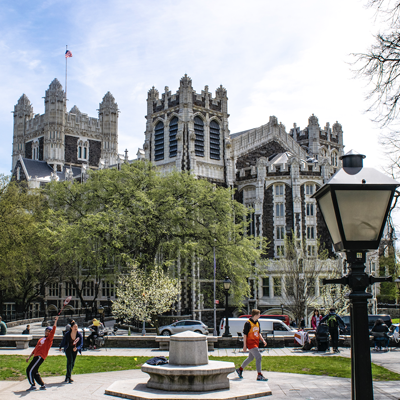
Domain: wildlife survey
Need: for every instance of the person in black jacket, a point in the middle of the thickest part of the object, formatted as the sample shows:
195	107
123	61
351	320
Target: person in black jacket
382	329
72	343
333	321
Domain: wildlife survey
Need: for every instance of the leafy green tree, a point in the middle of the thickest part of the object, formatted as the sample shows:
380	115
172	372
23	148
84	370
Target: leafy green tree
138	216
388	290
25	251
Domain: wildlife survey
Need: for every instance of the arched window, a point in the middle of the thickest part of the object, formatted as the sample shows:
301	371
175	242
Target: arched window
159	142
334	159
199	141
83	150
214	140
173	143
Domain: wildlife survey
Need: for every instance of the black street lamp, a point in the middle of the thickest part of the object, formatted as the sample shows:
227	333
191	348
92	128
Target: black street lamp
227	286
355	204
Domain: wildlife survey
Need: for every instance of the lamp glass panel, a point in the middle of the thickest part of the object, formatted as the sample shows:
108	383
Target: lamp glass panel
362	212
227	285
326	206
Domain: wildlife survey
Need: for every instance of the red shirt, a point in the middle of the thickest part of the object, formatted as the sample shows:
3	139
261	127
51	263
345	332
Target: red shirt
43	345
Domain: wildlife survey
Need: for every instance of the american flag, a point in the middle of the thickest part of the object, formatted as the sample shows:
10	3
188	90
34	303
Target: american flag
68	54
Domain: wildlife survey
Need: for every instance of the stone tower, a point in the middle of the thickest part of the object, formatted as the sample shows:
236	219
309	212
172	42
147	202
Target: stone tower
54	124
108	117
189	131
23	112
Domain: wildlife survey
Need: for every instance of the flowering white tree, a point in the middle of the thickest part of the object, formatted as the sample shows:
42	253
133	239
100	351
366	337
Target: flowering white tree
143	295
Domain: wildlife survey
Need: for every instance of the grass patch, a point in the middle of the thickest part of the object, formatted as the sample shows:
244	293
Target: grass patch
327	366
396	321
14	367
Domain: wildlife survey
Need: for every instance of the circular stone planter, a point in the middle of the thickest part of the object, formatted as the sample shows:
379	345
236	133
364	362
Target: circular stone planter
189	369
190	378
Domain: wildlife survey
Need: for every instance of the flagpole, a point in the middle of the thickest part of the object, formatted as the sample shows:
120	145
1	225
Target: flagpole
66	60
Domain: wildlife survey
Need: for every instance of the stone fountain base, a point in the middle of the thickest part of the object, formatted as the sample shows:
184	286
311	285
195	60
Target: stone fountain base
189	378
136	389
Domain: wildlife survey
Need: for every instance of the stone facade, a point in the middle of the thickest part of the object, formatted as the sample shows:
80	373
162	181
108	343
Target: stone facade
189	131
65	139
275	171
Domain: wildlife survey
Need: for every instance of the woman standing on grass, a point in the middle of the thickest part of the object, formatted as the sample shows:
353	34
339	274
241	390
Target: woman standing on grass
72	342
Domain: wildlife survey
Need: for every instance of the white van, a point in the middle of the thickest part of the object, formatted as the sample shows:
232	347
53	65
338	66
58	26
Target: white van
236	326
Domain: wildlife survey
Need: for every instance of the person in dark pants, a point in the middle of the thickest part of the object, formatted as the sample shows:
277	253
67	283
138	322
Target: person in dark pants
40	353
72	343
381	328
333	321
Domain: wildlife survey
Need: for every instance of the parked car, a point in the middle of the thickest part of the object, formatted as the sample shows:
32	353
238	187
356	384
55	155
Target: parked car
181	326
371	321
284	318
278	327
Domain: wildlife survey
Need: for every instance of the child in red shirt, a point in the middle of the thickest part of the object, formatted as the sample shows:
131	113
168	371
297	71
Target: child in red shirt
40	353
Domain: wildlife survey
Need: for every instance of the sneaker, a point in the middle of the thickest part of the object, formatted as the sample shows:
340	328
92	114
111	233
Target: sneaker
240	373
386	348
376	348
33	387
336	351
261	378
70	380
42	387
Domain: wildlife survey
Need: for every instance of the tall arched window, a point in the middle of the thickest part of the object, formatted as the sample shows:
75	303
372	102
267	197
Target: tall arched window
199	141
214	140
173	143
334	159
159	142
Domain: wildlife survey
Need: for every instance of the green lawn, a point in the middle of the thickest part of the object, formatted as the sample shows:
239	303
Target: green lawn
395	320
13	367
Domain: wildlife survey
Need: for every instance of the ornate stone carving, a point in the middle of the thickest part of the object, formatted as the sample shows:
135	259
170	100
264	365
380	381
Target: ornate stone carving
337	128
313	121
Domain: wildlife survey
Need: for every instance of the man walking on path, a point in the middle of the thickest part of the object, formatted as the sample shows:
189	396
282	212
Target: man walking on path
251	339
333	321
3	327
40	353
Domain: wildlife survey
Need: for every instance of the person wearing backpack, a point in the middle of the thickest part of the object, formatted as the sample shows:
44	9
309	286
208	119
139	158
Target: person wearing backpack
333	321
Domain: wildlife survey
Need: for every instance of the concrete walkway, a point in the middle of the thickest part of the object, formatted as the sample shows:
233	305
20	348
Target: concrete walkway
284	386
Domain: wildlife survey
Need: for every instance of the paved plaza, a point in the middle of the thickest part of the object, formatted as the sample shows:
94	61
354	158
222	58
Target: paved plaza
283	385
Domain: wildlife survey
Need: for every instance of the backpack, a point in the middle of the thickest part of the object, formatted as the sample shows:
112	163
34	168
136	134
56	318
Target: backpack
157	361
332	321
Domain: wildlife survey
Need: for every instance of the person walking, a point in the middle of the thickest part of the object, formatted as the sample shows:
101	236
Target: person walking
251	339
3	327
39	354
315	320
27	330
72	343
333	321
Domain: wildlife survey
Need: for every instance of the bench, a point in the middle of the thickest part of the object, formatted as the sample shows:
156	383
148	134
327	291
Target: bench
163	342
21	341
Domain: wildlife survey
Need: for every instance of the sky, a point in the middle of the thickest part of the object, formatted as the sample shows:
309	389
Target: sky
288	58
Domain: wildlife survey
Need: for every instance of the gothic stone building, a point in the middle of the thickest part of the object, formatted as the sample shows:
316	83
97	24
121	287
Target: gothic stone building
59	144
274	170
